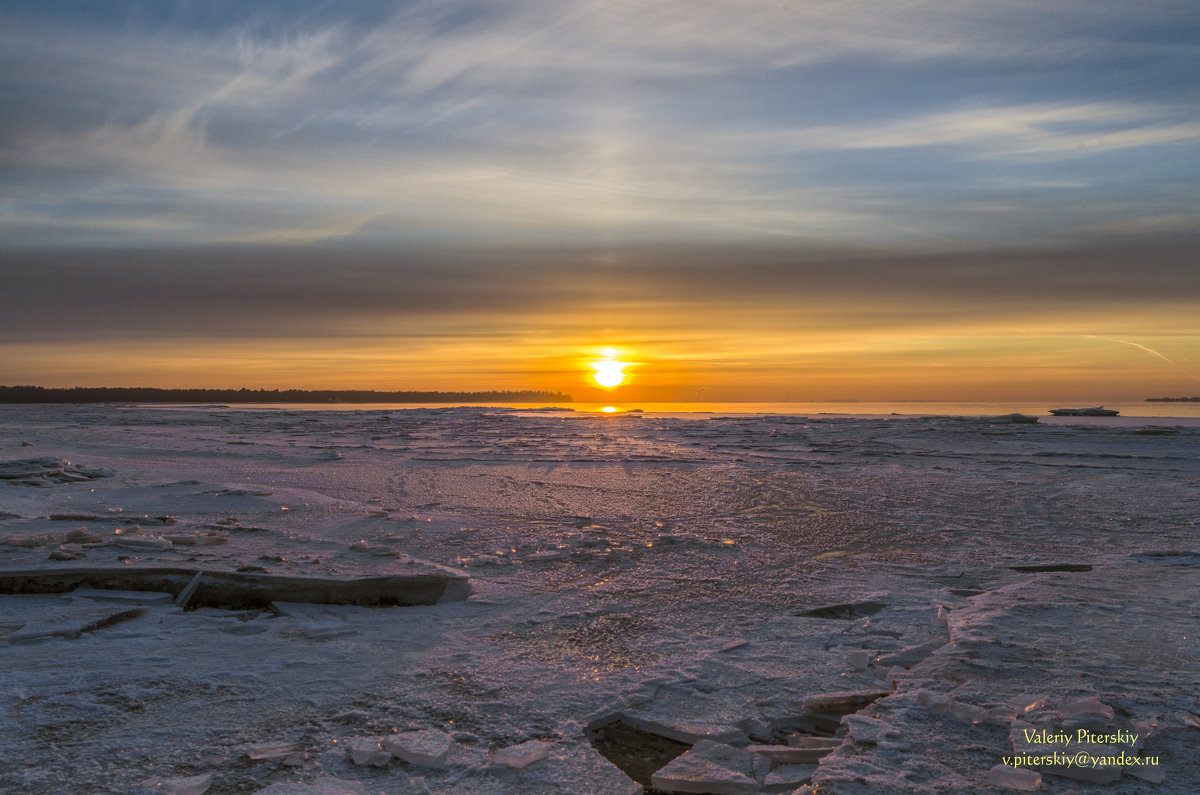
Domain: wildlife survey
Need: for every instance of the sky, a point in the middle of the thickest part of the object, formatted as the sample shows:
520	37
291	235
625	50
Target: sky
738	199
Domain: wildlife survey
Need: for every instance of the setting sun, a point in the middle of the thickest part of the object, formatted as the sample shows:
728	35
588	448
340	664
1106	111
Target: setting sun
609	373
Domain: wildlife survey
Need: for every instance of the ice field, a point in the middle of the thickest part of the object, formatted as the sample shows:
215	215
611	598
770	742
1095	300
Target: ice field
923	594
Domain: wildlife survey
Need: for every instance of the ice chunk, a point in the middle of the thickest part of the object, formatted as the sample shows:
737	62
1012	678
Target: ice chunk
368	751
426	747
968	713
142	542
789	755
936	703
271	750
35	540
788	777
847	611
200	539
867	730
1085	708
907	658
322	786
522	756
137	597
843	703
81	535
73	623
185	595
1017	778
192	785
858	660
709	767
816	746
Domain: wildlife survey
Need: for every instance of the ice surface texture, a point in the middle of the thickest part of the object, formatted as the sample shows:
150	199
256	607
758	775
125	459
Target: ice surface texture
704	578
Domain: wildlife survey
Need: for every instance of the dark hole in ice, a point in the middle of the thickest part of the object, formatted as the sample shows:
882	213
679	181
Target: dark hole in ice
639	754
848	611
1054	567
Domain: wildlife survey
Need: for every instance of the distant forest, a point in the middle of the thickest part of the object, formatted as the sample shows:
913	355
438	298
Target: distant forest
1193	399
82	394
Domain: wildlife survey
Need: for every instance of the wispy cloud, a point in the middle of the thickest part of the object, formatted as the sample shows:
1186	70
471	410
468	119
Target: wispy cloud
836	122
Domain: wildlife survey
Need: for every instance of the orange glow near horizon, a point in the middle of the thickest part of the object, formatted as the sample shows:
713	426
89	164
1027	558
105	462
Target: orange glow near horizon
677	361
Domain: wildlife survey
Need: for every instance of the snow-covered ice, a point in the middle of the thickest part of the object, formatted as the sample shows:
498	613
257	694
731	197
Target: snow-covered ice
845	604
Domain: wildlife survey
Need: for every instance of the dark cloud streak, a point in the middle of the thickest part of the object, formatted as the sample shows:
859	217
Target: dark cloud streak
331	292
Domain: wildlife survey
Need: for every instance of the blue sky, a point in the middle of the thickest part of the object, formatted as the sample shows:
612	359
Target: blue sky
885	129
933	124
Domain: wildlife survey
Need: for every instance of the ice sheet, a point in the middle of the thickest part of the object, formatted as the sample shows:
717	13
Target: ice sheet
660	570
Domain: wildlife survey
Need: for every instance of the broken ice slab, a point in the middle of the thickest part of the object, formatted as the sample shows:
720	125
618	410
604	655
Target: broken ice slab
682	730
142	542
198	539
811	748
858	660
907	658
1086	707
326	785
257	752
368	751
190	785
709	767
67	552
426	747
122	597
519	757
868	730
789	755
786	778
1052	567
843	703
421	583
967	713
73	622
1017	778
846	610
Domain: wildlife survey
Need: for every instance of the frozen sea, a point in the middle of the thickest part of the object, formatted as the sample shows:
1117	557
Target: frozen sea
640	582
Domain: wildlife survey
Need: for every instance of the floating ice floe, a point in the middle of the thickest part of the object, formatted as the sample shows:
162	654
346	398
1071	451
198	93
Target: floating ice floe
709	767
865	729
189	785
45	472
425	747
843	703
522	756
910	656
324	785
73	622
810	749
368	751
1018	778
807	754
258	752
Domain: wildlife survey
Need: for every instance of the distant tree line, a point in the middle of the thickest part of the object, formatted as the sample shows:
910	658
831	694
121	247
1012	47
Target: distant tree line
82	394
1193	399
